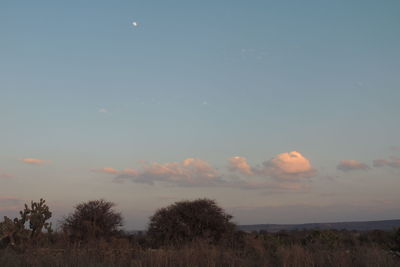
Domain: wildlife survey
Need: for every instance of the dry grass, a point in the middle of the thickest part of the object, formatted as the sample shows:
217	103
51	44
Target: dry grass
288	250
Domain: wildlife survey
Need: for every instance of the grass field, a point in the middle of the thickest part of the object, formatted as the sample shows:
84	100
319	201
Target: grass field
295	248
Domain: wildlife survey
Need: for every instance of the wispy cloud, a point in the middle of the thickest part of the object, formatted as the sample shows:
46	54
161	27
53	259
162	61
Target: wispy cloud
108	170
351	165
393	162
397	148
33	161
8	203
189	172
6	175
380	163
103	110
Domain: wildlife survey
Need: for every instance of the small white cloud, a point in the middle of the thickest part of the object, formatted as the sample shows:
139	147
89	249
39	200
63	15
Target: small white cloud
103	110
135	24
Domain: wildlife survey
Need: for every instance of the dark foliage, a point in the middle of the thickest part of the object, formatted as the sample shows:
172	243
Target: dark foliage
187	221
14	233
91	220
396	239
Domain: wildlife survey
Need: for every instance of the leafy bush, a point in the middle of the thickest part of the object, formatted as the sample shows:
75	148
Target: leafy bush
91	220
187	221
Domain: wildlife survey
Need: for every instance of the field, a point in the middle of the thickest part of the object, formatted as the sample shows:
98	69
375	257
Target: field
291	248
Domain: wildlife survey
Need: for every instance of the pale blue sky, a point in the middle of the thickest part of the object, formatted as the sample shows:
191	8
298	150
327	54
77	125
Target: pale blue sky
200	79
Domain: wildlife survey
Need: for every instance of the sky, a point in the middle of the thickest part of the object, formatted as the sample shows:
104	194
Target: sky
281	111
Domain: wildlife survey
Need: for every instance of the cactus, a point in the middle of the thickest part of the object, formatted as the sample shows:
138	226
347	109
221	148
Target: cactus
13	232
39	213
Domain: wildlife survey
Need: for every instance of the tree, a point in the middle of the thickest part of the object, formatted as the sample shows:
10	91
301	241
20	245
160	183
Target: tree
187	221
92	219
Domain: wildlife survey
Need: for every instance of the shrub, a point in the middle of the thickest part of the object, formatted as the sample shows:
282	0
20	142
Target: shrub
396	239
187	221
91	220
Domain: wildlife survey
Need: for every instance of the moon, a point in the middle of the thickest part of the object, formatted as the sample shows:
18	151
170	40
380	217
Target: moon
135	24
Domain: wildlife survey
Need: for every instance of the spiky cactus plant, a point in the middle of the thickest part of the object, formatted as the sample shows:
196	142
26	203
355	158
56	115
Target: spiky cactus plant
13	232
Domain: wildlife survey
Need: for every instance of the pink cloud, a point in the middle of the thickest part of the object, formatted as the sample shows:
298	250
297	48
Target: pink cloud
240	164
33	161
189	172
291	165
130	171
9	203
107	170
6	175
380	163
351	165
394	162
286	170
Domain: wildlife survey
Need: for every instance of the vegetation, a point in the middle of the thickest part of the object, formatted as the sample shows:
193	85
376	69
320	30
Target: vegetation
92	220
13	233
187	221
201	243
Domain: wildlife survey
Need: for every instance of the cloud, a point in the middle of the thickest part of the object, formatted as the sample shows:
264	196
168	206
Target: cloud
6	175
189	172
282	173
110	170
107	170
240	164
284	166
394	162
291	165
33	161
351	165
8	203
380	163
130	171
397	148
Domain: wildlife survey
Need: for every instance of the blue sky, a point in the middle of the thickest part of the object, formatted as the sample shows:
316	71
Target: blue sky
82	89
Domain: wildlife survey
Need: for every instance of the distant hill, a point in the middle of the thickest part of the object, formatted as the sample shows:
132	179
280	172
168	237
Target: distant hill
359	226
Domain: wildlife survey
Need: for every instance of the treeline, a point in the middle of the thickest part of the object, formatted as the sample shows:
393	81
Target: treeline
186	233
